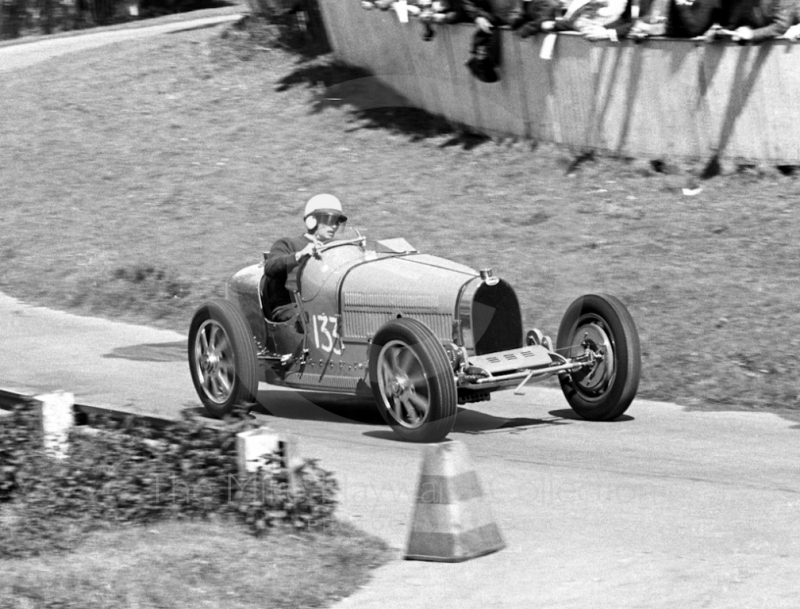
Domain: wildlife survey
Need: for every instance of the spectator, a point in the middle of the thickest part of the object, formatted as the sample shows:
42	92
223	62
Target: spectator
487	17
436	11
675	18
595	19
649	19
753	20
488	14
535	13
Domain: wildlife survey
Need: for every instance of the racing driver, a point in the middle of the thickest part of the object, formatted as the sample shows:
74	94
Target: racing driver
322	217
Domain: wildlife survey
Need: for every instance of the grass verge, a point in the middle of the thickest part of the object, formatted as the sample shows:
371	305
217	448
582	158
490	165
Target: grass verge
156	517
137	199
193	565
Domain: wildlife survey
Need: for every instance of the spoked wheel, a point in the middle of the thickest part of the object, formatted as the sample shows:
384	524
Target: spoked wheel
222	357
413	381
600	329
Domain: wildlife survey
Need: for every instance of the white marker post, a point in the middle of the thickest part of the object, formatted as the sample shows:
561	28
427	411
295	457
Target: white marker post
253	446
57	420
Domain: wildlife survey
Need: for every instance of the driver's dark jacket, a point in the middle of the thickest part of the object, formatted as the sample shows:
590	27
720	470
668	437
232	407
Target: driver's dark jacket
280	262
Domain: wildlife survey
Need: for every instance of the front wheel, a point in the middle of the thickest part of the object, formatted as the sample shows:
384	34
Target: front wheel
599	327
222	357
413	381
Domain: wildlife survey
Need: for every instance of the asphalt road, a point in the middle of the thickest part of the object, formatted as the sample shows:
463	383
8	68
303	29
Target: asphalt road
664	508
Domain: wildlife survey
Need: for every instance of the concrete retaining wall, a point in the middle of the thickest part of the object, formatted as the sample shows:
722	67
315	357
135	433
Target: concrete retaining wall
662	98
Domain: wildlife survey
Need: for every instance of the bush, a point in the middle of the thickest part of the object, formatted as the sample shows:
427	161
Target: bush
27	17
156	8
134	472
290	24
270	498
20	438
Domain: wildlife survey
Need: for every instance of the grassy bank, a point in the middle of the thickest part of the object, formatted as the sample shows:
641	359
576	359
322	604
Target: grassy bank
137	178
185	565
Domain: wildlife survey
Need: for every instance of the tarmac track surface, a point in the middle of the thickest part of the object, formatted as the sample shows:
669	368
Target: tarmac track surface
663	508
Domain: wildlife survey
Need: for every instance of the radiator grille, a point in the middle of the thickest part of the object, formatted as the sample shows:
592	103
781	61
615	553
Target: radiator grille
367	323
410	302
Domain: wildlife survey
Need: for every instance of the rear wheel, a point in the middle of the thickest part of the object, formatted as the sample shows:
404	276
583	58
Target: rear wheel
413	381
601	326
222	357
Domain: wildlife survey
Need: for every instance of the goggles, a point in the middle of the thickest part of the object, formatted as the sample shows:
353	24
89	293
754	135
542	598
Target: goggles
330	219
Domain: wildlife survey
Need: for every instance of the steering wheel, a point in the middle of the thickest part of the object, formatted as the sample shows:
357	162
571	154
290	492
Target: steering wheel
332	244
293	275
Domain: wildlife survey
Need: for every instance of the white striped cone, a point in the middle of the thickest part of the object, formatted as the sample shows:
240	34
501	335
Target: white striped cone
452	520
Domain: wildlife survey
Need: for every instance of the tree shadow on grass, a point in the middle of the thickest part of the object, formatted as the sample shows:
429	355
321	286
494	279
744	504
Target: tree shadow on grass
374	105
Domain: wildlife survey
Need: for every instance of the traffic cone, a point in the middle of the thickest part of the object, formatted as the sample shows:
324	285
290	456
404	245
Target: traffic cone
452	520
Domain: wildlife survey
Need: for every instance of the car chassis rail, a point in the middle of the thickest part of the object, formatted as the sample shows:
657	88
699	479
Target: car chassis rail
559	364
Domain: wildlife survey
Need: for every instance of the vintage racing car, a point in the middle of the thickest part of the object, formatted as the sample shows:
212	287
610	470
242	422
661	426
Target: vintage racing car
419	333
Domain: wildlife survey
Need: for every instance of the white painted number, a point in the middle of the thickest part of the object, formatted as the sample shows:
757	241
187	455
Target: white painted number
329	341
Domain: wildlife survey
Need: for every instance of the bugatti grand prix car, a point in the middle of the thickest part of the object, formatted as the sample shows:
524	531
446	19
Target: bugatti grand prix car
419	333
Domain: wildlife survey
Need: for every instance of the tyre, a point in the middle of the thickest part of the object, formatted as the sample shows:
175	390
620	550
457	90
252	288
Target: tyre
222	357
413	381
601	324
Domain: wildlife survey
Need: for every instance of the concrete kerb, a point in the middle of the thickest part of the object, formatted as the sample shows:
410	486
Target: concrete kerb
10	397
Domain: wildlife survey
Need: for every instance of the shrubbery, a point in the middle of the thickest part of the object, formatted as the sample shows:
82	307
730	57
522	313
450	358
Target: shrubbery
133	472
28	17
294	25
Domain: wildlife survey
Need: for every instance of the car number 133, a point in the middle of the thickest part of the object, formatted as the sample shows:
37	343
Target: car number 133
326	333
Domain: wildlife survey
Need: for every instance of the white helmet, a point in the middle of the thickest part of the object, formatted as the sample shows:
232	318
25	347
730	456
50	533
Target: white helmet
322	204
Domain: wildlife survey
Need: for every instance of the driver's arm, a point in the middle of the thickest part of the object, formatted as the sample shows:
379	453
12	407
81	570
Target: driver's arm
285	255
281	258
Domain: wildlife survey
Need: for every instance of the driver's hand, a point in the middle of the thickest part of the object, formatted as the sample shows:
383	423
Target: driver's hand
307	251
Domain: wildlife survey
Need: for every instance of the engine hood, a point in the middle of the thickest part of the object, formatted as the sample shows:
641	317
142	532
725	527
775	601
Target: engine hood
412	282
420	286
